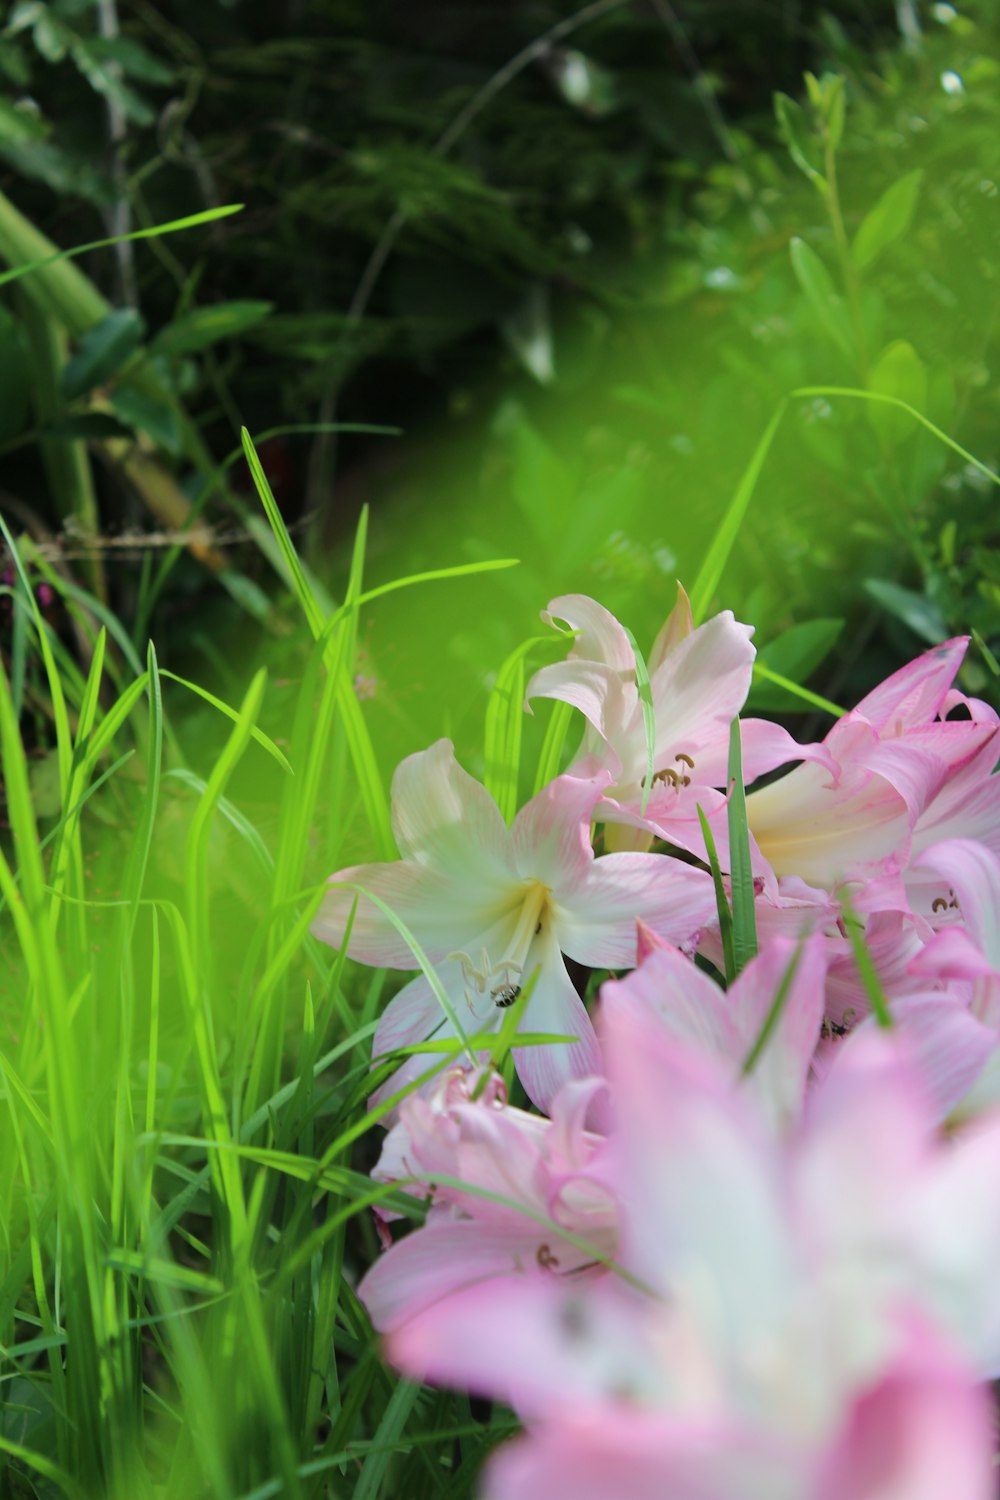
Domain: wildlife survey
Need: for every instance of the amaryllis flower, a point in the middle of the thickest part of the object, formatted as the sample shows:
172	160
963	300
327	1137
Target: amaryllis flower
809	1315
491	905
699	680
503	1185
894	768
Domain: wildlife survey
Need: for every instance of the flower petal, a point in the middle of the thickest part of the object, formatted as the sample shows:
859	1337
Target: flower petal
600	637
555	1007
704	1177
443	913
532	1341
972	872
444	820
922	1431
440	1260
551	834
700	686
595	923
915	693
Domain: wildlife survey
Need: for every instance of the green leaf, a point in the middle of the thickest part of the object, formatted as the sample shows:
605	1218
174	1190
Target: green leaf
888	220
20	123
898	372
817	283
798	137
916	611
102	351
144	413
208	325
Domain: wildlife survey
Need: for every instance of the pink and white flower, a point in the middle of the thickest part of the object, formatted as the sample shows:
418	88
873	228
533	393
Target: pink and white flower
491	905
699	680
901	778
809	1315
506	1188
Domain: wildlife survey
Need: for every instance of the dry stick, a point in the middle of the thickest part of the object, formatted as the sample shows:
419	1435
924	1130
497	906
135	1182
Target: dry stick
325	449
119	216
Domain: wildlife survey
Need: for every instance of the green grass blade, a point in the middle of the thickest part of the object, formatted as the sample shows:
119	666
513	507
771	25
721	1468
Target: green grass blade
760	670
740	872
190	221
774	1014
265	742
867	972
860	395
724	540
551	755
721	900
645	692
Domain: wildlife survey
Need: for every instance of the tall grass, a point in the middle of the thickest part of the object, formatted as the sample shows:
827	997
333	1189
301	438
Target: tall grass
184	1075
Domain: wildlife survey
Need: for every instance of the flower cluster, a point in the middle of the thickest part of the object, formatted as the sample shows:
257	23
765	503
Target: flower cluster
747	1247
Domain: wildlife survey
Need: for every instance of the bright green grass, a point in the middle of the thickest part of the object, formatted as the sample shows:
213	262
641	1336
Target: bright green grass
184	1071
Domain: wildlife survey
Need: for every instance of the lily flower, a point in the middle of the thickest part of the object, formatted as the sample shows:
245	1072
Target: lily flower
493	906
698	682
504	1185
810	1314
895	765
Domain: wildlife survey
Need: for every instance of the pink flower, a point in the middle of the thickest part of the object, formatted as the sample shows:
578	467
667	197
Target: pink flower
899	777
809	1313
503	1185
699	680
490	905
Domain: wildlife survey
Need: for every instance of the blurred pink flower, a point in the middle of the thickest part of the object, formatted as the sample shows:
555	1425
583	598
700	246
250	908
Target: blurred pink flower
809	1313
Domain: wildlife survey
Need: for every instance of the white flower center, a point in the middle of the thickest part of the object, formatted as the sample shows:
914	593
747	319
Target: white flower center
502	978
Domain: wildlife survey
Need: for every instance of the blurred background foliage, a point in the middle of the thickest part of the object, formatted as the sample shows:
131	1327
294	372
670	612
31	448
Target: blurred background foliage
575	258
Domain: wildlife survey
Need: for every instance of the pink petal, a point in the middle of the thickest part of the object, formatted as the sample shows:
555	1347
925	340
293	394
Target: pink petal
441	1259
970	871
956	1236
915	693
765	747
704	1177
922	1432
621	1453
946	1043
444	820
551	833
537	1342
596	922
779	1075
555	1007
691	1009
820	833
415	1015
967	806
